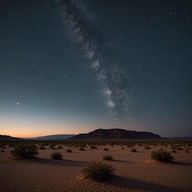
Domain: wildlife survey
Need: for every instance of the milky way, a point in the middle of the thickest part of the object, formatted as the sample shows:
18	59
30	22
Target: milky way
106	72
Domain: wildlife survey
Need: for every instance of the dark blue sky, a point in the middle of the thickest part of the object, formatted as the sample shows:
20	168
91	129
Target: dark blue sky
73	66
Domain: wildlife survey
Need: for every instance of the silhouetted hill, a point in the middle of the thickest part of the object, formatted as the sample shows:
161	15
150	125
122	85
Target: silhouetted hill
7	137
54	137
115	134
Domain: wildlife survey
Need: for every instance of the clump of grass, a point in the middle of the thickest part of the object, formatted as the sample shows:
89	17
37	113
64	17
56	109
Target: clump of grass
133	150
42	148
93	147
106	149
2	150
180	148
52	147
98	171
81	149
162	156
108	157
69	151
130	145
174	151
25	150
3	147
147	147
56	156
59	147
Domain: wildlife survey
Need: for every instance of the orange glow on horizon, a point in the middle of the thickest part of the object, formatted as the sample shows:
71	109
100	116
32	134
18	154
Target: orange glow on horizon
29	130
23	127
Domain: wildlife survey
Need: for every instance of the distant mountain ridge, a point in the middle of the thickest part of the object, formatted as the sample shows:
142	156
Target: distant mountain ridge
181	138
7	137
116	134
54	137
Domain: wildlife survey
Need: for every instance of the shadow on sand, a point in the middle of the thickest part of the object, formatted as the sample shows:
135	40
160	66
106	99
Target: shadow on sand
62	162
121	161
133	184
188	164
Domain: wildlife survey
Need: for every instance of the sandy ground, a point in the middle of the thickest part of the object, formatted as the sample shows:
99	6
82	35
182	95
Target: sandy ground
133	171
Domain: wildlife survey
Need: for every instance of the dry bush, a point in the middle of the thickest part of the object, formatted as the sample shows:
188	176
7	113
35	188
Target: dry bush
98	171
108	157
69	151
162	155
56	156
133	150
24	150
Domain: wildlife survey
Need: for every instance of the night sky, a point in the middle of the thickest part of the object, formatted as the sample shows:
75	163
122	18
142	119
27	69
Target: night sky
71	66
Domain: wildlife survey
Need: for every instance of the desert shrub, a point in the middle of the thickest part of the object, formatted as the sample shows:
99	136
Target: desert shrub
69	151
162	155
130	145
187	151
98	171
122	147
59	147
147	147
106	149
108	157
56	156
52	147
133	150
2	150
93	147
81	149
180	148
83	145
42	148
25	150
174	151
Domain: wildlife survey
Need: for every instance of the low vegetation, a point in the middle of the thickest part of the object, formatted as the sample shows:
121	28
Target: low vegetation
25	150
147	147
93	147
41	147
98	171
108	157
56	156
69	151
52	147
81	149
59	147
162	155
133	150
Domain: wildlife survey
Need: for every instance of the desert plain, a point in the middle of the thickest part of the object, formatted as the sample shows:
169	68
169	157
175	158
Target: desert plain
133	171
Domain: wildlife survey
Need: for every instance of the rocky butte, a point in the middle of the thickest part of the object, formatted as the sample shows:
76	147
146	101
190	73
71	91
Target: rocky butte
116	134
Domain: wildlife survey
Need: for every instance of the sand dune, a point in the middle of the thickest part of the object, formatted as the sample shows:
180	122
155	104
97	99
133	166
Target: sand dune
133	171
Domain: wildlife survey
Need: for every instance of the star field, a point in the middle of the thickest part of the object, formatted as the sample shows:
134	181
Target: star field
73	66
